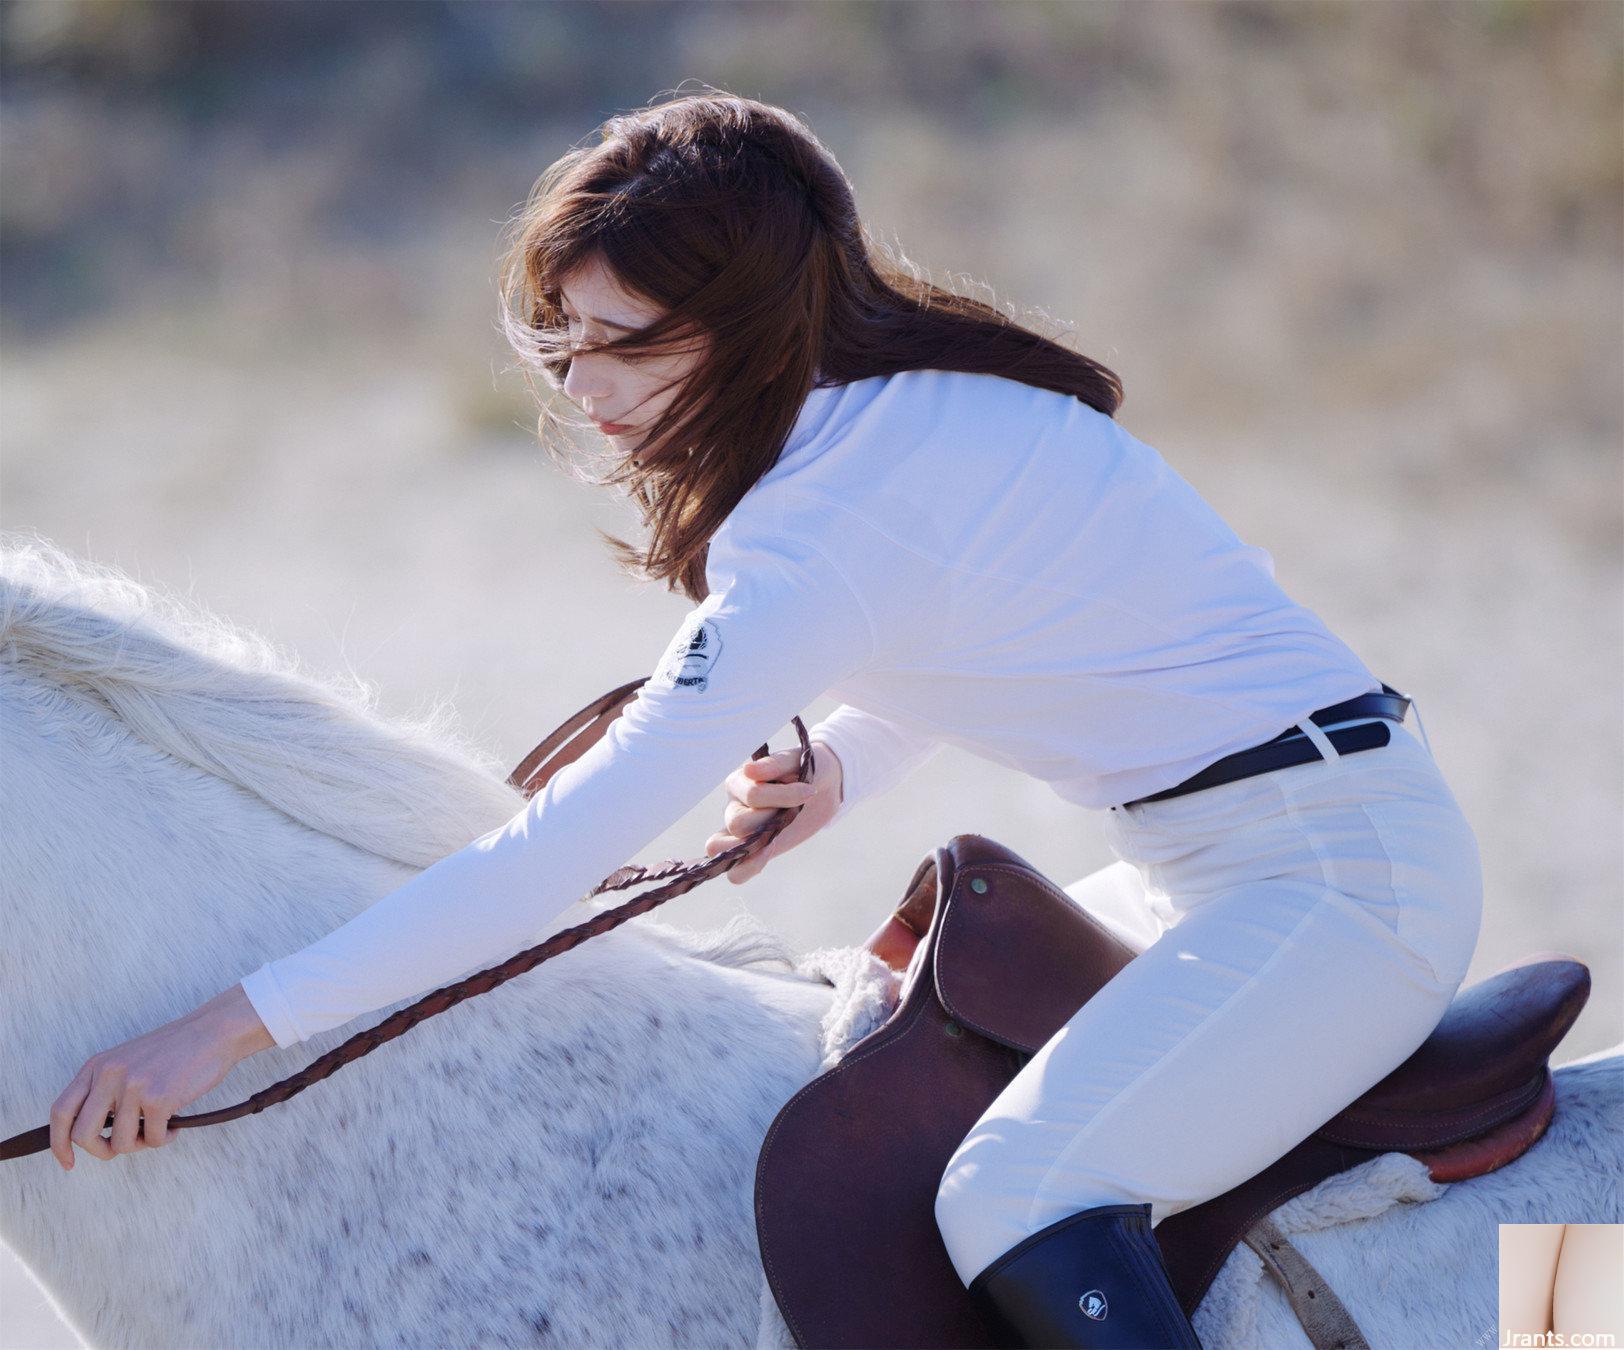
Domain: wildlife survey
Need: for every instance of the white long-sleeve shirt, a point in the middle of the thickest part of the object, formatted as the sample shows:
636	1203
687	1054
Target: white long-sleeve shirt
960	559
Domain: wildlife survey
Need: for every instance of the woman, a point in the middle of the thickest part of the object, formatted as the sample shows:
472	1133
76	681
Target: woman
874	488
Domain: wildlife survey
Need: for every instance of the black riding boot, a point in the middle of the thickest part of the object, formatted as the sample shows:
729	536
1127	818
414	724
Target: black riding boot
1094	1280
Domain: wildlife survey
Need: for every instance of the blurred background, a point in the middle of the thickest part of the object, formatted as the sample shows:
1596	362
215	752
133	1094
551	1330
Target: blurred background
1358	266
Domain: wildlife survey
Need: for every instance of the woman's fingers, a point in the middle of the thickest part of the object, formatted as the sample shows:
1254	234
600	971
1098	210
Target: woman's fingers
64	1111
92	1117
140	1084
740	821
741	871
127	1122
799	829
753	803
155	1131
80	1114
751	865
719	841
757	791
724	839
770	795
779	764
782	766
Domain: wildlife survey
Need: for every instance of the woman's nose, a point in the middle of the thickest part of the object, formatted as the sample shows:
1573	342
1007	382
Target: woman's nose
585	382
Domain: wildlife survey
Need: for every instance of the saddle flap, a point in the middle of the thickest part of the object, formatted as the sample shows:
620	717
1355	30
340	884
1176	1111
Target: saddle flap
847	1174
1014	956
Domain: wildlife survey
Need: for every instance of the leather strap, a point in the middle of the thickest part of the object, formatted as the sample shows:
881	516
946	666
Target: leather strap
1292	747
1320	1313
1388	703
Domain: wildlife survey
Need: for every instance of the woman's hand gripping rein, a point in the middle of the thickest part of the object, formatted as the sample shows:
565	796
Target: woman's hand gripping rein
760	787
144	1081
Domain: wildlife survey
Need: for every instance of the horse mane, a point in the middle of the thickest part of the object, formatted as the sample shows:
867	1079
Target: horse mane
218	696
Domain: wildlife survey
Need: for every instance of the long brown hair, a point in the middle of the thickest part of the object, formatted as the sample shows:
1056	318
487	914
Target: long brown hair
733	218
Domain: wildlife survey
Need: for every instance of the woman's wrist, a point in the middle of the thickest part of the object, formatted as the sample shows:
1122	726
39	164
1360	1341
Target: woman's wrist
820	749
236	1022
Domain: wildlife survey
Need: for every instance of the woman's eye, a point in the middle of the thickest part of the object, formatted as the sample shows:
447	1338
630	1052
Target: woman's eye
573	325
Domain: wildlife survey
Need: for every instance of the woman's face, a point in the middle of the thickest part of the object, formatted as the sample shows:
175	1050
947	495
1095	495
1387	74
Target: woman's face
629	392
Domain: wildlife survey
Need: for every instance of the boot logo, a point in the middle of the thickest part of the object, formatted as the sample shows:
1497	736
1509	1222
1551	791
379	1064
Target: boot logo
1093	1305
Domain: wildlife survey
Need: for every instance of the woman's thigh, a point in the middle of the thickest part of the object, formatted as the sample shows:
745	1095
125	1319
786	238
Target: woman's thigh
1279	995
1116	897
1217	1049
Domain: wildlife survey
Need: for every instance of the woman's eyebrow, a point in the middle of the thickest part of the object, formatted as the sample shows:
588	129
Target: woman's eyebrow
601	322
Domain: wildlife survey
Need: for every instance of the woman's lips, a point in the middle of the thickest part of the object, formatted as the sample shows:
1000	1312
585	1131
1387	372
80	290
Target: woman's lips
611	428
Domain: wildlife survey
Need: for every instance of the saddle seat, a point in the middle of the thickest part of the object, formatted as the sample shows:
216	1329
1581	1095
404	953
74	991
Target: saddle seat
1489	1050
847	1173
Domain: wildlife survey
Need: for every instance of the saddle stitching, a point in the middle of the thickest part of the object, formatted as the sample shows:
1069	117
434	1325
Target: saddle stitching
1049	888
1519	1098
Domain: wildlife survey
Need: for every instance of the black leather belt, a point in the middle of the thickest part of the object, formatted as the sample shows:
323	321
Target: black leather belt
1291	746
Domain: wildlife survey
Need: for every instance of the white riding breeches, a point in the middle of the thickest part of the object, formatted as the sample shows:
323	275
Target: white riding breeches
1300	933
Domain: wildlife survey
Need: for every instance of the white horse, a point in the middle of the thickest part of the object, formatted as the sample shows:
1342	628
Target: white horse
567	1160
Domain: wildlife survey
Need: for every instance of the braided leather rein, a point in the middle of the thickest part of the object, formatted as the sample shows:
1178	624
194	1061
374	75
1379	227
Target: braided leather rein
563	746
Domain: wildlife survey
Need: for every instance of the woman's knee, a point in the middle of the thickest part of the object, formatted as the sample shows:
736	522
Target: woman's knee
956	1205
987	1201
980	1212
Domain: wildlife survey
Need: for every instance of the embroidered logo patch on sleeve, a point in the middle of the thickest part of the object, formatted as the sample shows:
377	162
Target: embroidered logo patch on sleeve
689	660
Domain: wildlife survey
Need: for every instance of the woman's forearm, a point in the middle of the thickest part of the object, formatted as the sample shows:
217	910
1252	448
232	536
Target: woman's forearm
236	1022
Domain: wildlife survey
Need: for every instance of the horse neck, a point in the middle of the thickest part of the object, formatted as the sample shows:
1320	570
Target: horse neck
136	887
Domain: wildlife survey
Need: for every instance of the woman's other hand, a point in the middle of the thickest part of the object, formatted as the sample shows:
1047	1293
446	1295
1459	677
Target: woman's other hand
759	788
147	1080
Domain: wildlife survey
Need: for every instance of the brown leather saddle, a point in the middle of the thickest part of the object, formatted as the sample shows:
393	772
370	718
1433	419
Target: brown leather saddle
997	959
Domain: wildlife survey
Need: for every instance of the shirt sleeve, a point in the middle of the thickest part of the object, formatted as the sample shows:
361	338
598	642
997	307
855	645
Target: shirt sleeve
780	626
875	754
